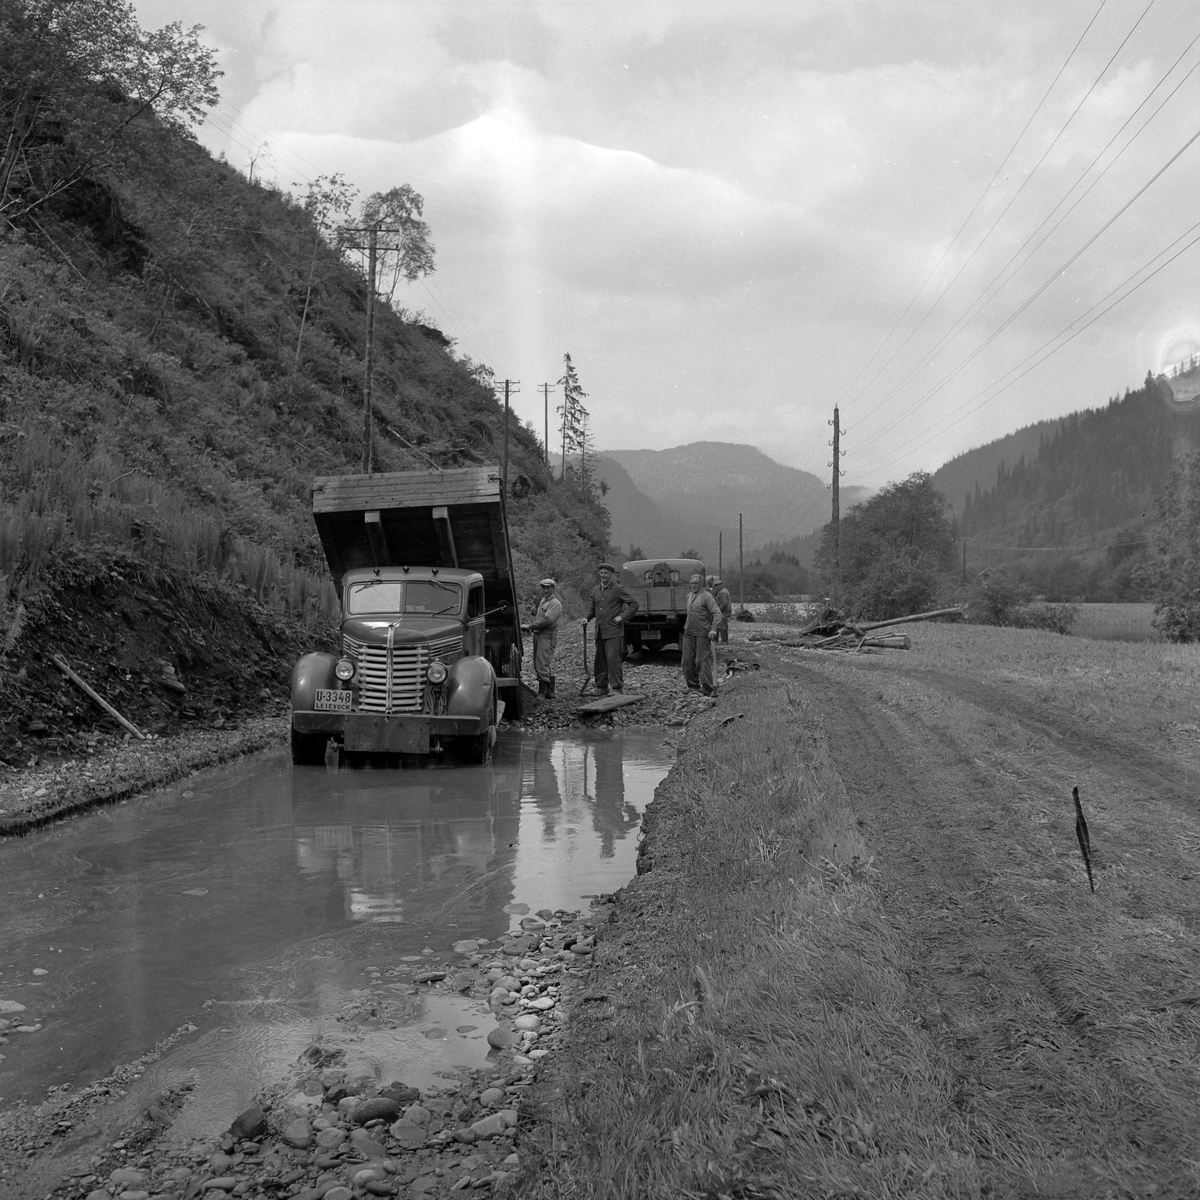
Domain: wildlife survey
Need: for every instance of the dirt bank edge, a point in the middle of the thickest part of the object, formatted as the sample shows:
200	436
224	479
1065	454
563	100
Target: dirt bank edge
130	769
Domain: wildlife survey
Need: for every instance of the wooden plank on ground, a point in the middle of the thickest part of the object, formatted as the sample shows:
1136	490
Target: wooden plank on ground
607	704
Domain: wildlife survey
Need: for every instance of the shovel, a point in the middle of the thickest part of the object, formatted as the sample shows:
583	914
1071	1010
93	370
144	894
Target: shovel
587	675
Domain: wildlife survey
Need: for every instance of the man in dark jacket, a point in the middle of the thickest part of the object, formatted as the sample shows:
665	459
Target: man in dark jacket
612	606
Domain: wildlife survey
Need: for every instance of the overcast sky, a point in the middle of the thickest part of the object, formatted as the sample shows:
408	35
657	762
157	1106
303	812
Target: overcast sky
722	210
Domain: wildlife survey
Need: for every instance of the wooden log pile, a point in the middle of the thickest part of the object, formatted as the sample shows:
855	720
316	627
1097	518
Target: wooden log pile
831	631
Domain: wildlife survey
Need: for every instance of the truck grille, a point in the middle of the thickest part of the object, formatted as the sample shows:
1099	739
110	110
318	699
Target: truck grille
401	689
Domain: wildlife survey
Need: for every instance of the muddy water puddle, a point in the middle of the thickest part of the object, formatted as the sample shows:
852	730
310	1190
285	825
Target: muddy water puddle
255	907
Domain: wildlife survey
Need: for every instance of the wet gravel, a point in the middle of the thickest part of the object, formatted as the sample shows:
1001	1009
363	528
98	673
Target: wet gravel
320	1133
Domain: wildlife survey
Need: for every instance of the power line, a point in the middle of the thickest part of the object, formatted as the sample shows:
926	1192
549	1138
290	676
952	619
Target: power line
1004	212
974	209
976	307
1056	274
1050	341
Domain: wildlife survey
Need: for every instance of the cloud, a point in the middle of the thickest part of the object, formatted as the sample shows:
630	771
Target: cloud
733	214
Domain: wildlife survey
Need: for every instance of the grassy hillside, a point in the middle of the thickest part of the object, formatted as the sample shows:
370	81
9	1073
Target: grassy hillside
156	419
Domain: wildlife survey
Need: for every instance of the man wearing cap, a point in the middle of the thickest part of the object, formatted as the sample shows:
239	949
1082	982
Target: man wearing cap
612	606
699	632
544	628
720	593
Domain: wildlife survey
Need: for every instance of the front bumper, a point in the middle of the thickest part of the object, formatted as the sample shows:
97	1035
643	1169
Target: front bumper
377	733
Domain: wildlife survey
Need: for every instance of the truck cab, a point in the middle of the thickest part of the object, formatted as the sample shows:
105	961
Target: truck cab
426	662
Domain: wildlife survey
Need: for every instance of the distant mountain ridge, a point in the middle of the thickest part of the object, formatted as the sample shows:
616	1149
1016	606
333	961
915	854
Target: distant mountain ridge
700	488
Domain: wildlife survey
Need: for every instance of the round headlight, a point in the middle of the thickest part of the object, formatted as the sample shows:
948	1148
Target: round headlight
436	673
344	670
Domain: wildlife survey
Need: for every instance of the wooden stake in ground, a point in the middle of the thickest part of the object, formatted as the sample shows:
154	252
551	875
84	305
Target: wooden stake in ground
1081	833
104	704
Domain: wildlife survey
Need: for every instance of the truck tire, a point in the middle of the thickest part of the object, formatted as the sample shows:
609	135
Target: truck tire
308	749
477	750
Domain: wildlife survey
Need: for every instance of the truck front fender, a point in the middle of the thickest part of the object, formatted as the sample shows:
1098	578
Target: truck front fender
311	672
470	688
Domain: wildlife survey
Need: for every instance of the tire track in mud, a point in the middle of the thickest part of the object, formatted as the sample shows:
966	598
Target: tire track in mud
1119	756
1051	1098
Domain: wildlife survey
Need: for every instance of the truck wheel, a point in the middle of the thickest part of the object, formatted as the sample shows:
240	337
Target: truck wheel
478	750
308	749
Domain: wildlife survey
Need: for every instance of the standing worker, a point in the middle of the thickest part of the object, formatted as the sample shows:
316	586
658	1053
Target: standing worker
720	594
544	628
699	632
612	606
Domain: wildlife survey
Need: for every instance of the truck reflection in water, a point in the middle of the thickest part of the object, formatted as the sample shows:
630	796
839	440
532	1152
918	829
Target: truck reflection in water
548	824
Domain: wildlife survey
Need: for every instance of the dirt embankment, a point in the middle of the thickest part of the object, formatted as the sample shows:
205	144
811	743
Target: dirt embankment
931	1002
199	667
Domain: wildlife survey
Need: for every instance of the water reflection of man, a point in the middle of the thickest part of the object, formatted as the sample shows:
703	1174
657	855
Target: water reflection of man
612	818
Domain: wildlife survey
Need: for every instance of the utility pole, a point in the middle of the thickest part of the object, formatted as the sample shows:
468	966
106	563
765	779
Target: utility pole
547	388
720	549
372	248
964	573
510	386
837	474
372	257
741	568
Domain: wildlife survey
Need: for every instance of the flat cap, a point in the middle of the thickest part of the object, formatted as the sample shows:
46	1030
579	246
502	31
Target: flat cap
607	567
547	583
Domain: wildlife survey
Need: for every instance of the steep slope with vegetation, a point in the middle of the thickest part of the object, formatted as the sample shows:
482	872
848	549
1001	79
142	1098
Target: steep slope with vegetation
1079	513
161	417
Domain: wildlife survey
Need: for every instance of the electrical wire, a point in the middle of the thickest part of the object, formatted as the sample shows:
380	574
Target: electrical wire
975	206
1072	336
1004	212
982	300
1056	274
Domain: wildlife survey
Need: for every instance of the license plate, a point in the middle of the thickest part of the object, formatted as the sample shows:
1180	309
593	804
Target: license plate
651	635
333	700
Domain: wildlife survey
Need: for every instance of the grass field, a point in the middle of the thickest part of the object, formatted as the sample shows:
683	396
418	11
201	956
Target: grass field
1118	622
866	960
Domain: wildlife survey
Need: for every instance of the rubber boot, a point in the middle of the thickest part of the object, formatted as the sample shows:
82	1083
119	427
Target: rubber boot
550	689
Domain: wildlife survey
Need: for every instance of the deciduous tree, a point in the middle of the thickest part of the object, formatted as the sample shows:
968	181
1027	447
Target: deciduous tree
76	79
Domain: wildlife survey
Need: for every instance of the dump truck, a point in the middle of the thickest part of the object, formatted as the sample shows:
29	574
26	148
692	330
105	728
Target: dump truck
430	632
661	587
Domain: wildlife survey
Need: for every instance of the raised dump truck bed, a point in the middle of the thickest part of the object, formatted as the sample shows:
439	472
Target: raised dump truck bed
450	518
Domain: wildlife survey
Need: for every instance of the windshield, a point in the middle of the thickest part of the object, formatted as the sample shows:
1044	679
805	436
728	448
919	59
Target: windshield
426	596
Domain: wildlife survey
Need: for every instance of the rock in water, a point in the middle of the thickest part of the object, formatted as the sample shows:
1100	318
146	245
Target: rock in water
501	1038
250	1125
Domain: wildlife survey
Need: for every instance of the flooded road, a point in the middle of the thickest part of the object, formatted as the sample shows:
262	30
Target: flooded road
244	908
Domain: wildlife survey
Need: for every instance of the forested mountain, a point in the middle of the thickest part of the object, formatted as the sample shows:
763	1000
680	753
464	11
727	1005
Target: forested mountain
1075	516
1096	472
711	482
977	468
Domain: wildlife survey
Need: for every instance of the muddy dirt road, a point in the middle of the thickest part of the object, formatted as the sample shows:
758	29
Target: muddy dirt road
1070	1017
231	919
